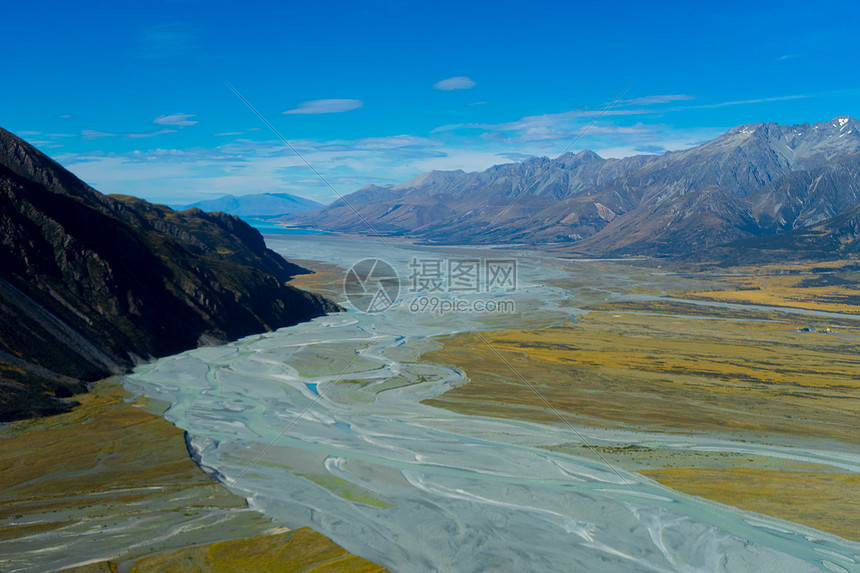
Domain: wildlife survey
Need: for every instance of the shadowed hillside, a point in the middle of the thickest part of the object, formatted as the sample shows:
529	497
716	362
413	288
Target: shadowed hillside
92	284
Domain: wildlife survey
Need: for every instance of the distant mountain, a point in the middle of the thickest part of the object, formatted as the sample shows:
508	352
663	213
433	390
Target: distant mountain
755	179
455	206
262	205
92	284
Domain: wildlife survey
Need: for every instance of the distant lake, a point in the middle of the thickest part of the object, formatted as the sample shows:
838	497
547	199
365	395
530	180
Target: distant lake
271	228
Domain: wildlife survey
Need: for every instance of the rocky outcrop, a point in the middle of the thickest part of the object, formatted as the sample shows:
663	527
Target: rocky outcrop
92	284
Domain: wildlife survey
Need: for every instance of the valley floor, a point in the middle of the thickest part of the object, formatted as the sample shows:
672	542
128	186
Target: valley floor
549	419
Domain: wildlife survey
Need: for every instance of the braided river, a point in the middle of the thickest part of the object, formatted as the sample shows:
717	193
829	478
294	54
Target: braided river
321	424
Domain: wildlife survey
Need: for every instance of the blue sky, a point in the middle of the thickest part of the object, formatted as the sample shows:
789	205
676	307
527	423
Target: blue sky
132	96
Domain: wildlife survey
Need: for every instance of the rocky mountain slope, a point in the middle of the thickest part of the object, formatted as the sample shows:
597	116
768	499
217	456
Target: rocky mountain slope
92	284
808	197
835	238
753	180
696	220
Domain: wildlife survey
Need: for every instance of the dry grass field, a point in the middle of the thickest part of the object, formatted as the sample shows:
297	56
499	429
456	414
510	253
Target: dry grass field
832	286
675	367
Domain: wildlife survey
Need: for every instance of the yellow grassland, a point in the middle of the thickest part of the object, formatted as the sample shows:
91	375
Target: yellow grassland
825	500
783	285
325	279
667	373
300	551
647	371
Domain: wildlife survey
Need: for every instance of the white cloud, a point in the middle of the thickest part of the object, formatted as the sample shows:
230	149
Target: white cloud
555	119
749	101
455	83
654	99
176	119
241	165
318	106
152	134
454	127
94	134
44	144
394	141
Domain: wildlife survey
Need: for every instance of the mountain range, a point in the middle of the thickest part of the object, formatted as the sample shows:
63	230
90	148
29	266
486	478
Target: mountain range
91	285
260	205
755	180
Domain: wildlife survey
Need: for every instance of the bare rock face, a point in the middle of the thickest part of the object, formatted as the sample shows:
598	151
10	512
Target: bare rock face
92	284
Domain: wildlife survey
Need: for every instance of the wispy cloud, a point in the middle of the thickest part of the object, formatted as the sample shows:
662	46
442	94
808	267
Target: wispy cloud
554	119
181	176
543	120
243	165
151	134
455	83
653	100
565	131
176	119
95	134
318	106
747	101
787	57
